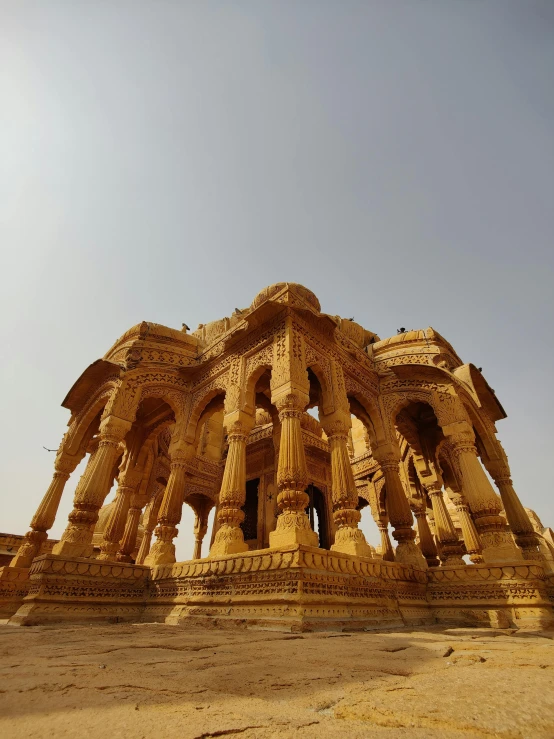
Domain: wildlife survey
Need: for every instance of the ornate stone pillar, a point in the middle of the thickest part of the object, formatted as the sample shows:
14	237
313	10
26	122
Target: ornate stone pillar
229	538
200	531
129	540
201	506
484	503
386	546
348	537
426	541
469	532
517	516
91	491
118	517
163	549
451	549
293	525
149	523
399	512
44	518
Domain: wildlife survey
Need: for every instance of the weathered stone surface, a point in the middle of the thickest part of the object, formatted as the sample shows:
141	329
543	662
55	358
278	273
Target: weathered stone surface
149	680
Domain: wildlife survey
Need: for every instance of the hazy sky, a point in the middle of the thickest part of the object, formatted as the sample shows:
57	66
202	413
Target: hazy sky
164	161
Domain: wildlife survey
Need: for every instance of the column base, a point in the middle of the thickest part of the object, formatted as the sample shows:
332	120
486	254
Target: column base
432	561
451	555
350	540
29	549
498	546
453	561
108	552
228	540
24	559
162	553
293	528
70	549
409	553
123	557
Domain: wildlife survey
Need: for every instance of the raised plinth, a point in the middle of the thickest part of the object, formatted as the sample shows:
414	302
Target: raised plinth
14	586
296	588
505	595
66	589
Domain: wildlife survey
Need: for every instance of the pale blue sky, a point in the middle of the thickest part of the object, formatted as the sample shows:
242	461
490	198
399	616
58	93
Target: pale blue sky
164	161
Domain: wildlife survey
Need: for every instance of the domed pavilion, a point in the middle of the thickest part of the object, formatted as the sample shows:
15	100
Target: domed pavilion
293	426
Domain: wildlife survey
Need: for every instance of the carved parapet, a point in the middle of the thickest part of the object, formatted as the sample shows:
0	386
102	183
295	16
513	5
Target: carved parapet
291	557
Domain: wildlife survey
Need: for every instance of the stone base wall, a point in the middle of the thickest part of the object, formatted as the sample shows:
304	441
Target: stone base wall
503	596
64	589
299	587
14	586
295	588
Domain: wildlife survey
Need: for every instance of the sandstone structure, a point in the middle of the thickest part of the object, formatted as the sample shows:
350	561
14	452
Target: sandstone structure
218	418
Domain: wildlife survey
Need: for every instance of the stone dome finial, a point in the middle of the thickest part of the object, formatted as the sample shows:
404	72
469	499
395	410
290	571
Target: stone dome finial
268	292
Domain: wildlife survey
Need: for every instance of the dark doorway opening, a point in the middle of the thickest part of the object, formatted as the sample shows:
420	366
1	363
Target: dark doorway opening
317	513
250	524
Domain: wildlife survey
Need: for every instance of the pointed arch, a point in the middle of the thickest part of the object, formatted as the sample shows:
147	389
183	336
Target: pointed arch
327	404
200	403
83	426
367	412
251	382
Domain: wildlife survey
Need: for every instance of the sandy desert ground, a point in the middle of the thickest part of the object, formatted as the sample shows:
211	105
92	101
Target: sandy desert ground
153	680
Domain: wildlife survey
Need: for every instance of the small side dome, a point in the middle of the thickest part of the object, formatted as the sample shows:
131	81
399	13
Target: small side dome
303	292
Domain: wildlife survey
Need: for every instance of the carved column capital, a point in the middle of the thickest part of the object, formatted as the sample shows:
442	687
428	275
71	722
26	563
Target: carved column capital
291	401
112	431
239	422
389	462
462	442
337	424
387	455
433	488
65	463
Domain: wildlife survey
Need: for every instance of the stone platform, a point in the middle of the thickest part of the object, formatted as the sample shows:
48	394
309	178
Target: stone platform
63	589
14	586
296	588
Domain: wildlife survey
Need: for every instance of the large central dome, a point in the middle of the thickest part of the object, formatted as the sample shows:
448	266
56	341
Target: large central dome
269	292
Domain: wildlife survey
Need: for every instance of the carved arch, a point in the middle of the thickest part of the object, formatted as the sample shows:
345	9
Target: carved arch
255	372
199	402
365	410
446	405
80	425
327	402
175	399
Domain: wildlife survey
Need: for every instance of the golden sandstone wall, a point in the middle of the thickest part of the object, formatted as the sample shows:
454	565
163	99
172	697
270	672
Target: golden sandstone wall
218	418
